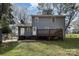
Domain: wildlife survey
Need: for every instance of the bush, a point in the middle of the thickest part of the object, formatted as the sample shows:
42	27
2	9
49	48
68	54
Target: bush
6	30
4	22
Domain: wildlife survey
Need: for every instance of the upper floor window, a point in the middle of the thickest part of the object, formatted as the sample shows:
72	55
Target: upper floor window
53	19
36	19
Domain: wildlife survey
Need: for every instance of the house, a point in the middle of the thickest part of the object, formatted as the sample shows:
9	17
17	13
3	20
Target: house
45	26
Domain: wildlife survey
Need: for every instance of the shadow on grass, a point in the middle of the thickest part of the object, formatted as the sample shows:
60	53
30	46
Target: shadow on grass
67	43
5	47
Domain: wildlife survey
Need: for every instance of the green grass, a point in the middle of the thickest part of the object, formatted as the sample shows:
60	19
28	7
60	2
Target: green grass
40	48
72	35
69	46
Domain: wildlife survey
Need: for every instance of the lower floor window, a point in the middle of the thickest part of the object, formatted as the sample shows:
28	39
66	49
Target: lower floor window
22	31
28	29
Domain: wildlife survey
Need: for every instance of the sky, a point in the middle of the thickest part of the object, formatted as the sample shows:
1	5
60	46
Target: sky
32	7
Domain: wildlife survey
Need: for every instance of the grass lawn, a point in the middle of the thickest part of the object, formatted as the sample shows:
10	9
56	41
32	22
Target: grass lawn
69	46
40	48
72	35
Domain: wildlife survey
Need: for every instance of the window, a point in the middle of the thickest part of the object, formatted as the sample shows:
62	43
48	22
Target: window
34	30
36	19
28	29
53	19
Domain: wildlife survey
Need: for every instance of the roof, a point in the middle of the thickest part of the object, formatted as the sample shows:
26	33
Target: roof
24	25
48	16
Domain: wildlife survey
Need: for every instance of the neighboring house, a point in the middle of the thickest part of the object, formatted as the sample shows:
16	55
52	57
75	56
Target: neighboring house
44	26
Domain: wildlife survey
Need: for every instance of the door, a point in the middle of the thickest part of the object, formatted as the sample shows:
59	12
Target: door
22	31
34	30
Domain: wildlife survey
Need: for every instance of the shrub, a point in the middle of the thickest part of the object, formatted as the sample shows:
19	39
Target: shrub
6	30
4	23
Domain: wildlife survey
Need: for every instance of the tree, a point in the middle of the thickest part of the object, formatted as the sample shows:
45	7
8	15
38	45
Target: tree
22	15
5	25
69	9
46	8
6	16
6	9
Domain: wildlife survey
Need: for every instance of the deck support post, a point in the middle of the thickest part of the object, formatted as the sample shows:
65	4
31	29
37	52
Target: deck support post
49	37
18	32
49	34
37	34
25	32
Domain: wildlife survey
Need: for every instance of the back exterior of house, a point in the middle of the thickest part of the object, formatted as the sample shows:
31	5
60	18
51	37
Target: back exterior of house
47	25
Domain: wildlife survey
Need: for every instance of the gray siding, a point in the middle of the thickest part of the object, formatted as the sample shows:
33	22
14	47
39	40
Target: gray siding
44	23
59	23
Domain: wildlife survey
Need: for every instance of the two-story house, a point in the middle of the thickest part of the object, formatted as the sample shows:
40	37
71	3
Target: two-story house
46	26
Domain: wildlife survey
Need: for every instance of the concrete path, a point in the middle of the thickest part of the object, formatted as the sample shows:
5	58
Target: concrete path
13	39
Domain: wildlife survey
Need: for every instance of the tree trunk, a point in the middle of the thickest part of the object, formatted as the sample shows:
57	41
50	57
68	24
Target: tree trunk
67	25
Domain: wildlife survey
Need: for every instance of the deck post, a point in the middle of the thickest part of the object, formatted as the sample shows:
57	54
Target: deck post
49	34
18	32
25	32
36	33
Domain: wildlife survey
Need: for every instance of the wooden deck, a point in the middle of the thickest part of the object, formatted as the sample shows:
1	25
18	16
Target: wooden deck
50	32
45	33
